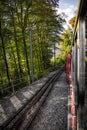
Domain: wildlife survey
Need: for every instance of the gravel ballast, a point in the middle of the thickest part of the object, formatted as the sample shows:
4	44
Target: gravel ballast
53	113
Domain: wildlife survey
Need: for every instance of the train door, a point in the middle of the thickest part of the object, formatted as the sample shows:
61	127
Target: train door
82	61
72	62
81	71
86	53
77	65
85	105
76	61
78	56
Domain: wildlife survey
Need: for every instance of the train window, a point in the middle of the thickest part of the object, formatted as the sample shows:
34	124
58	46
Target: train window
86	30
86	38
76	36
77	40
86	52
86	34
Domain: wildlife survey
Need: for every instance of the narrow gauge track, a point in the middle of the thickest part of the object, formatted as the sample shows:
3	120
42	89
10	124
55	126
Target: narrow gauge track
23	119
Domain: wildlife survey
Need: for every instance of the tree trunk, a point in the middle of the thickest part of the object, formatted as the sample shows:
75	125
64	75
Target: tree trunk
17	73
25	51
16	44
4	54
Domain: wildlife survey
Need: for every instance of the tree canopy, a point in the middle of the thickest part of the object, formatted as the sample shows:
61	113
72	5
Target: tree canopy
65	46
28	29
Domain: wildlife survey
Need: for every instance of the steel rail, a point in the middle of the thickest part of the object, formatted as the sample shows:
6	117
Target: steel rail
24	117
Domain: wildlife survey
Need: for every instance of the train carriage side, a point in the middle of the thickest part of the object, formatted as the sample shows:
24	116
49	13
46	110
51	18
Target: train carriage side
79	70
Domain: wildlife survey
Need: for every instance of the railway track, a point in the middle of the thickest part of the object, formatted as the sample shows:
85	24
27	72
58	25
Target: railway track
23	119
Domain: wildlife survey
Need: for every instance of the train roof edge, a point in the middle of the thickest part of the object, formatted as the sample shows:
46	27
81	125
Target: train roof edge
82	8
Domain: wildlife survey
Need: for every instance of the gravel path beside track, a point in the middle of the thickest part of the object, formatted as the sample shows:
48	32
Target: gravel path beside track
53	113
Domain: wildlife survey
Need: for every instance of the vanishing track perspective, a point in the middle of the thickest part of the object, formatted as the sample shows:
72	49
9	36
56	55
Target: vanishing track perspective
23	119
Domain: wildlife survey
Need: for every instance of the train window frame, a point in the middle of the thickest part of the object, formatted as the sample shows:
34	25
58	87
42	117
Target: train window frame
86	30
77	39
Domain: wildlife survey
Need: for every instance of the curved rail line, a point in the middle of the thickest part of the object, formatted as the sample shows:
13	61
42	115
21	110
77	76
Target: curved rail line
23	119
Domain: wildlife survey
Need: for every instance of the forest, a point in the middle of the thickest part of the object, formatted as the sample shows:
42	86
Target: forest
29	30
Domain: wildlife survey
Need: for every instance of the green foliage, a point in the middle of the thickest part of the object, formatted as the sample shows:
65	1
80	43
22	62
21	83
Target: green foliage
65	46
19	19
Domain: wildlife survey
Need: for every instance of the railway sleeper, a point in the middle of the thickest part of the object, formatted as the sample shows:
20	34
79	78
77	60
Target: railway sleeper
32	105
